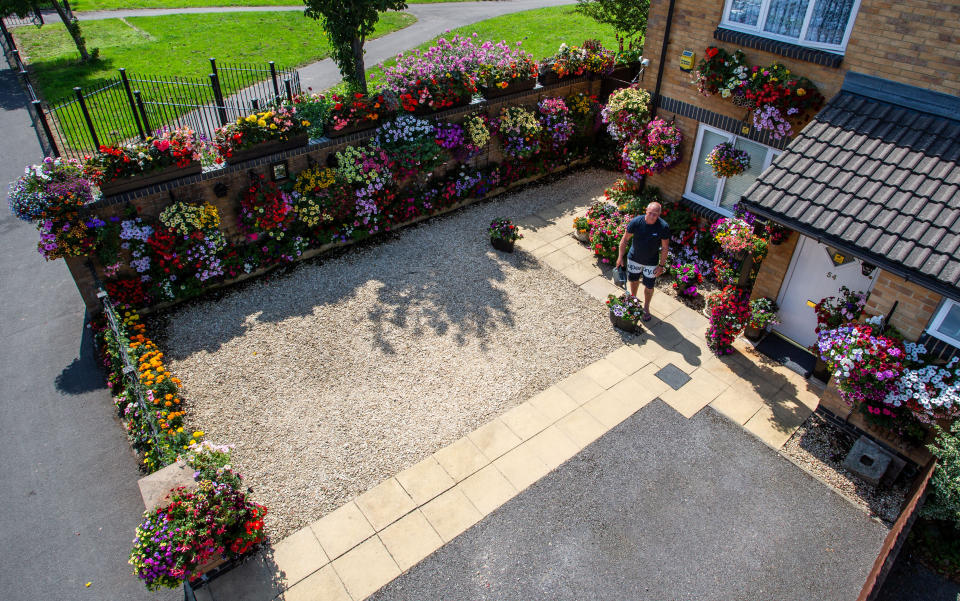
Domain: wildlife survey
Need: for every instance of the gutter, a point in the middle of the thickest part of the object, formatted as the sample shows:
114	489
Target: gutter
663	60
910	275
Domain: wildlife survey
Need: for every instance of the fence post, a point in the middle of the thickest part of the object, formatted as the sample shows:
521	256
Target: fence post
133	106
289	87
86	116
218	96
19	62
143	110
11	44
42	118
273	77
255	104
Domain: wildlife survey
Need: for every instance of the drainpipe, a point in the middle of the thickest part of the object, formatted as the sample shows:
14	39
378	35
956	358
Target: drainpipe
663	60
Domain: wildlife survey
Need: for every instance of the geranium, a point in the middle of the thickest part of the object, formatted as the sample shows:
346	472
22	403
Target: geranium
504	229
627	112
555	121
721	72
729	315
519	132
727	161
214	521
357	109
178	147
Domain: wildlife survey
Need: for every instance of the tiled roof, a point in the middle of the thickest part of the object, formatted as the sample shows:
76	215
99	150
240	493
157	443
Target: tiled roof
878	179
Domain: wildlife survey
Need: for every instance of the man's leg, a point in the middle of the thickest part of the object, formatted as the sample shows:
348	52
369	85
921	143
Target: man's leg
633	288
647	295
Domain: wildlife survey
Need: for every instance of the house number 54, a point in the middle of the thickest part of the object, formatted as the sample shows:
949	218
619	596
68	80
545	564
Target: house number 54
831	275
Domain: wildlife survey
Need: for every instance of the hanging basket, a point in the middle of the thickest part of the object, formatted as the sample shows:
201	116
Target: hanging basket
742	101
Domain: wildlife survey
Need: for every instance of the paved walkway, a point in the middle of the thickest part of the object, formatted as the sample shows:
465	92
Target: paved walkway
360	547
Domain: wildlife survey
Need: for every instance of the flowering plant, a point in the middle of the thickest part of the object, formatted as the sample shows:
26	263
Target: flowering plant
476	132
729	315
503	229
178	147
720	72
500	65
314	179
583	108
519	131
930	391
46	189
663	146
633	159
592	57
281	123
185	218
605	235
196	527
833	311
438	77
777	233
774	94
735	236
357	109
626	306
727	161
627	112
581	224
555	121
688	277
264	207
763	313
369	171
411	144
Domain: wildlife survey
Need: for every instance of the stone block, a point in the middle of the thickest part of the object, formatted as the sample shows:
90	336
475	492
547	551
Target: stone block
155	488
871	462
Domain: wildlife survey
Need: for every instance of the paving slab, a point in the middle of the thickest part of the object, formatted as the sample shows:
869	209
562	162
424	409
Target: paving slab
743	523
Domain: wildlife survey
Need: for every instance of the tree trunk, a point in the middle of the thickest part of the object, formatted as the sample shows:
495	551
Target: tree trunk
73	27
359	74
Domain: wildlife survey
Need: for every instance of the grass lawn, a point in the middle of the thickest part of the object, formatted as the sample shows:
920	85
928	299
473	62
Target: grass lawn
82	5
542	31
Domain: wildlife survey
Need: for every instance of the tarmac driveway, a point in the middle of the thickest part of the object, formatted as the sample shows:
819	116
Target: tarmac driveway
660	508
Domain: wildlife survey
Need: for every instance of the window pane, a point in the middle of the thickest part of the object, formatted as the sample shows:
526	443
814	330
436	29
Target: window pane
744	11
738	184
704	183
950	325
786	17
829	20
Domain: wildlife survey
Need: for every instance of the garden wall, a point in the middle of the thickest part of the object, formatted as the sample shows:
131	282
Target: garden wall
223	188
915	304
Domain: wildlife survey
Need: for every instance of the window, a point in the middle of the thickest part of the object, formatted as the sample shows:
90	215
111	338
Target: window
823	24
723	193
946	323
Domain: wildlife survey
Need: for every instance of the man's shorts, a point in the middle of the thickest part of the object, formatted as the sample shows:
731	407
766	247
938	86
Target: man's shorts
636	270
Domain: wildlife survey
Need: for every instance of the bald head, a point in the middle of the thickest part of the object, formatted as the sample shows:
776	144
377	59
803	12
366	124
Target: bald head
653	212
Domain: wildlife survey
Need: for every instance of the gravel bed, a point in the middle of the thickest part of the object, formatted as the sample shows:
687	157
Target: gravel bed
339	374
820	448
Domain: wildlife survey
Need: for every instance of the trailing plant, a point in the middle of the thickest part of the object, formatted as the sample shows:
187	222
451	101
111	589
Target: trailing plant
729	315
627	112
833	311
411	145
727	161
763	313
519	132
625	306
591	57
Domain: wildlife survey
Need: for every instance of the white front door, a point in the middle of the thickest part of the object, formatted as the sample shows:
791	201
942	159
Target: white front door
816	272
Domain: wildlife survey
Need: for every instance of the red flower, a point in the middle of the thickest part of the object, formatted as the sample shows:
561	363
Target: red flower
711	52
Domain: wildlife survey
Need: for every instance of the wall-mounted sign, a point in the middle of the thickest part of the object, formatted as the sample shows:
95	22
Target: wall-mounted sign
686	60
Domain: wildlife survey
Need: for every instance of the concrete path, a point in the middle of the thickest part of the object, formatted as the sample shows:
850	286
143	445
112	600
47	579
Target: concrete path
69	478
365	544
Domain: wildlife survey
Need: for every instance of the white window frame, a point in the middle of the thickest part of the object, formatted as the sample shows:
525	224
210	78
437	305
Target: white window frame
714	203
938	318
799	41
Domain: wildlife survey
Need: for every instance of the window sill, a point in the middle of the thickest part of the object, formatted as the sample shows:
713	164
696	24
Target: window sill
749	40
713	212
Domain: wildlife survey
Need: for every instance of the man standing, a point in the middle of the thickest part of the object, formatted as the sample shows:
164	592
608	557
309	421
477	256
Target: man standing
651	237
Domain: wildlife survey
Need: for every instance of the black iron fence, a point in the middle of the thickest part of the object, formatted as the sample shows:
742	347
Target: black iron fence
130	105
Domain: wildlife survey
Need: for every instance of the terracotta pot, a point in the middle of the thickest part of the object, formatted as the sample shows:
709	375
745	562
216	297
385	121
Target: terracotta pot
267	148
519	85
150	178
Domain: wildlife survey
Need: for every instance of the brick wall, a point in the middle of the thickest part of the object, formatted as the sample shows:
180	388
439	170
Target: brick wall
774	268
150	203
915	307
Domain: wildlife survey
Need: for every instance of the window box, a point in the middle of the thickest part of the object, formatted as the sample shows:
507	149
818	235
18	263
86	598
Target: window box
721	194
820	24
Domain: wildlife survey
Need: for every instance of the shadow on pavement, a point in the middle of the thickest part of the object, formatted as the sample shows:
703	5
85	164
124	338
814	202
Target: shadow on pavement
83	374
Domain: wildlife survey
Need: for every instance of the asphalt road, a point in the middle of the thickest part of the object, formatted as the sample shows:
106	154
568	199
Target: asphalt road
660	509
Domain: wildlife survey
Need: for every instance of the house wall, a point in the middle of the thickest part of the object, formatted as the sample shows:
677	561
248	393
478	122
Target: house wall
915	304
773	270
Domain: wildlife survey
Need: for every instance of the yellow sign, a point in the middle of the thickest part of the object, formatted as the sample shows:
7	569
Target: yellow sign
838	258
686	60
811	304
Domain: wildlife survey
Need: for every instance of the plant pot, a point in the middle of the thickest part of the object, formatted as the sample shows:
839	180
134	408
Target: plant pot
424	109
752	333
581	236
624	324
820	370
150	178
267	148
518	85
547	75
625	72
355	127
502	245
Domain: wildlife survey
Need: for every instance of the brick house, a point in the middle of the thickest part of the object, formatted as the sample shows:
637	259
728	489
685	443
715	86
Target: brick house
870	186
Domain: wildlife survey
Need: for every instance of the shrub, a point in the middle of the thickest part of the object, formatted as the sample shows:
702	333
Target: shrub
944	501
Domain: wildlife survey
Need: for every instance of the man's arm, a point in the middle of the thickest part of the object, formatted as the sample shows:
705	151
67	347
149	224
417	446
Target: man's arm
664	247
624	245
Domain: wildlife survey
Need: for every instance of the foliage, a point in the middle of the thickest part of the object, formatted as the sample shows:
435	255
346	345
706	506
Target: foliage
519	132
556	126
763	312
347	25
437	78
628	19
943	503
178	147
625	306
281	123
687	278
727	161
503	229
410	143
776	232
211	462
729	315
197	526
627	112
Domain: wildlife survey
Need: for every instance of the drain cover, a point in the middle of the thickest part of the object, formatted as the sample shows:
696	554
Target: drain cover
673	376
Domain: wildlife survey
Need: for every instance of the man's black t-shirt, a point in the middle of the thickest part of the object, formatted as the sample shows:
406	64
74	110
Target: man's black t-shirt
647	240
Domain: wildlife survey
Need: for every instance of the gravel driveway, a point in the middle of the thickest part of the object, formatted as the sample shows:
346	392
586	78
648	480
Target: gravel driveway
338	375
